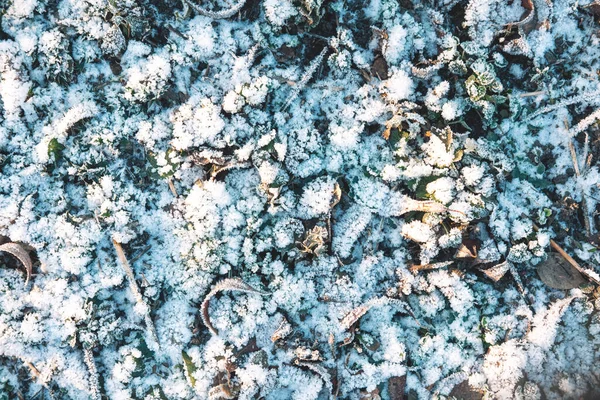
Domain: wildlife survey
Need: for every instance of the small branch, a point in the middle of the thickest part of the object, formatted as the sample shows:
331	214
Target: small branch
533	94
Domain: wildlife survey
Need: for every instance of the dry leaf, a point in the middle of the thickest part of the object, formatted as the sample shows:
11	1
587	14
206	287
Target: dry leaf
282	331
397	387
353	316
467	250
19	252
426	267
230	284
593	8
379	68
337	195
496	272
465	391
222	391
558	273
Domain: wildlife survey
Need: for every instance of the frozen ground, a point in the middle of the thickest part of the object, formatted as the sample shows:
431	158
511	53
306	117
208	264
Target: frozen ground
299	199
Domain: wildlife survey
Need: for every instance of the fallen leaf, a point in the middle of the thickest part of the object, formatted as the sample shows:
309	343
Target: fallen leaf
379	68
593	8
557	273
496	272
465	391
19	252
397	387
467	250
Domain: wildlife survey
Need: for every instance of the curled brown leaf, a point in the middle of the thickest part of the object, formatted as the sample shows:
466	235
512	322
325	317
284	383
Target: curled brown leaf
21	254
229	284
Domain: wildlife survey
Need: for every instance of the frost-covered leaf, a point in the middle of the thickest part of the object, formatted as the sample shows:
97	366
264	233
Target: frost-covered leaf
229	284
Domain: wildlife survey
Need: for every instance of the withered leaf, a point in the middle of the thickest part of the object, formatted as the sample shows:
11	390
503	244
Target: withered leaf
229	284
337	195
466	251
465	391
496	272
354	315
396	387
557	273
19	252
222	391
282	331
379	68
593	8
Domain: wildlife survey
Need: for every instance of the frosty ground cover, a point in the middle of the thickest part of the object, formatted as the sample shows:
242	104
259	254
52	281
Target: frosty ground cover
299	199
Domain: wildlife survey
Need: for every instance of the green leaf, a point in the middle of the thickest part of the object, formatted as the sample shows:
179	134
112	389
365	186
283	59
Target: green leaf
55	149
190	368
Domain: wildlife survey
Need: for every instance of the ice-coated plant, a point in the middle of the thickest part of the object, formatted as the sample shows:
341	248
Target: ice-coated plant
299	199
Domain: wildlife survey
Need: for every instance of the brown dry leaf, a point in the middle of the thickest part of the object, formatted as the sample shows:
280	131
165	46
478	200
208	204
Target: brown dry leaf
379	68
337	195
222	391
397	387
229	284
496	272
593	8
353	316
466	392
19	252
426	267
557	273
372	395
528	19
282	331
467	250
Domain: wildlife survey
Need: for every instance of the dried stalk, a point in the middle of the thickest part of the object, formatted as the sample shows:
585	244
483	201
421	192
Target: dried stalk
533	94
588	220
88	357
427	267
136	291
172	187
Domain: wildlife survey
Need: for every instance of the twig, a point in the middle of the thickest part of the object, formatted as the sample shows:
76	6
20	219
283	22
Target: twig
136	291
533	94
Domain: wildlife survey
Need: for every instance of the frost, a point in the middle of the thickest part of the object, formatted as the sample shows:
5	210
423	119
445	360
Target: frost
392	174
